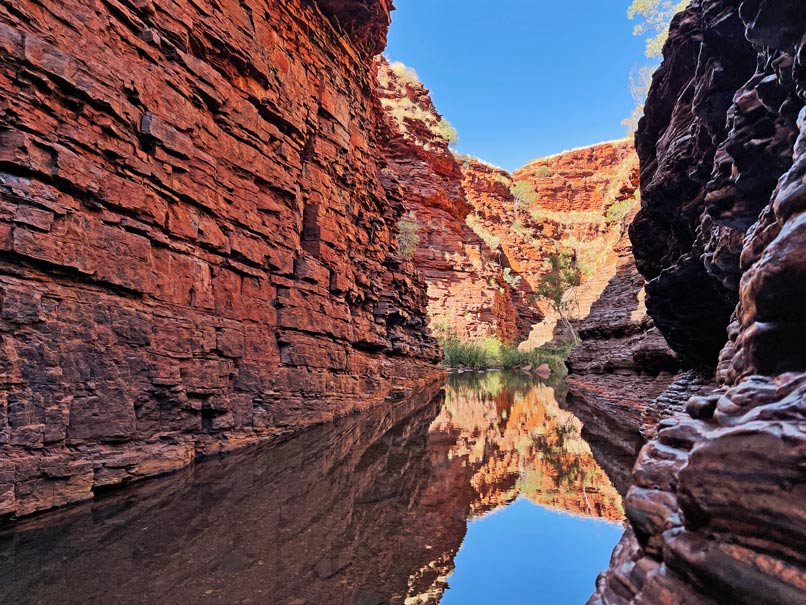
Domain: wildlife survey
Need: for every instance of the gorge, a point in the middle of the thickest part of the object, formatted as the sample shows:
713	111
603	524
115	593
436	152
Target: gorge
237	226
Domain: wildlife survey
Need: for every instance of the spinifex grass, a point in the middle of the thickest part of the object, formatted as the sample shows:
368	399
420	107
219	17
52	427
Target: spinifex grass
490	352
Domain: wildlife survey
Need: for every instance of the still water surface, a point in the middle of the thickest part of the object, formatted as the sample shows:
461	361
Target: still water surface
481	492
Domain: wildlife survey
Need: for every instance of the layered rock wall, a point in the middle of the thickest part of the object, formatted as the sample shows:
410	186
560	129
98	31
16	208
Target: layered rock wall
196	248
581	179
472	291
571	202
622	361
717	510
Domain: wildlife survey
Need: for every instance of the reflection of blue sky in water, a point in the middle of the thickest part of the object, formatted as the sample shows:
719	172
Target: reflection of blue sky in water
526	554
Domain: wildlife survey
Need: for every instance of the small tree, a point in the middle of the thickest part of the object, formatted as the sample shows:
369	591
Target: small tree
523	193
448	132
654	18
404	72
558	285
407	237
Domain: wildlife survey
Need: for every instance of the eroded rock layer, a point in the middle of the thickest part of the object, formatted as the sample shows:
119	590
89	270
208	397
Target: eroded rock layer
622	361
717	509
571	202
196	248
472	292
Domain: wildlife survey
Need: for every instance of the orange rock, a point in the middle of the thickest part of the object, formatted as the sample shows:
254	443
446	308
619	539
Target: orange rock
468	292
579	203
198	248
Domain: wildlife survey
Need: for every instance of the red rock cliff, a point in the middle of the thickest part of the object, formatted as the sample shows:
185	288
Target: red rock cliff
469	293
622	362
572	201
196	249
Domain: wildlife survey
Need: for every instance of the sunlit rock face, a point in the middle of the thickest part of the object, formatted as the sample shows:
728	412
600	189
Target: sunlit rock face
469	294
196	249
581	179
575	201
717	510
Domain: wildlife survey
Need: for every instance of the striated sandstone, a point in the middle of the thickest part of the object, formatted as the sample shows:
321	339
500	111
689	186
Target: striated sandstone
580	198
468	294
196	247
580	179
621	365
622	360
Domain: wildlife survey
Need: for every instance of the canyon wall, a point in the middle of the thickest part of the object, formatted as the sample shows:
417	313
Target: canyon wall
481	236
574	201
621	365
716	507
471	290
197	249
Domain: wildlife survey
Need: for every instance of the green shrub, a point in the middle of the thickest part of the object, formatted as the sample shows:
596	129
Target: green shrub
512	357
441	328
404	72
543	171
475	354
512	279
558	286
523	193
518	228
618	210
479	229
490	352
447	132
407	237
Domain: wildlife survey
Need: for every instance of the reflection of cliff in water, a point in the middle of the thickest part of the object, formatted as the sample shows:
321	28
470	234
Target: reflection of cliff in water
367	510
518	441
344	513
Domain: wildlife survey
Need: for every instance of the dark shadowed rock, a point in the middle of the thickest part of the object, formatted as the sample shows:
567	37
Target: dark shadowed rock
717	507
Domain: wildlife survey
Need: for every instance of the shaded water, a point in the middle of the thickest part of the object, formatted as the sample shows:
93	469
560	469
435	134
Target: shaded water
481	492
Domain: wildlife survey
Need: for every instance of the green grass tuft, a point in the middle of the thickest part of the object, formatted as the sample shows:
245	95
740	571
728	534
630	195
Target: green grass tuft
490	352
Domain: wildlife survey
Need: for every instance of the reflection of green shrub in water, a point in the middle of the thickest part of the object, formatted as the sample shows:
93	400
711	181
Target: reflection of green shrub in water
491	384
555	453
568	474
488	384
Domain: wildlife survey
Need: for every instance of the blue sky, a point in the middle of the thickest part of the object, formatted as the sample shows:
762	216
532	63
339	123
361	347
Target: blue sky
520	79
550	558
